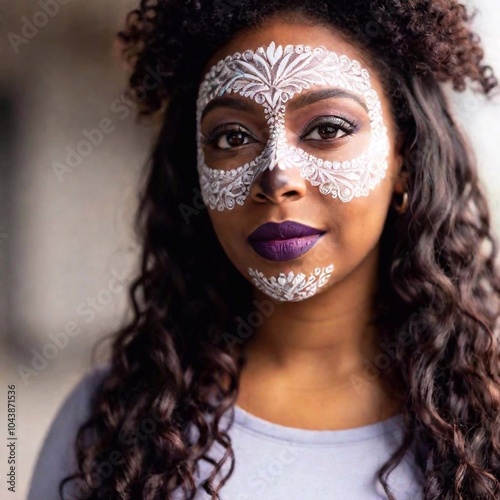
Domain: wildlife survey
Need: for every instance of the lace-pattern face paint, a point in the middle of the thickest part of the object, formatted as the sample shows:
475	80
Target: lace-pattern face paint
271	76
290	287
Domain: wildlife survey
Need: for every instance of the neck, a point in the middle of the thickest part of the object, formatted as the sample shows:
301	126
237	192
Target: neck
331	330
318	350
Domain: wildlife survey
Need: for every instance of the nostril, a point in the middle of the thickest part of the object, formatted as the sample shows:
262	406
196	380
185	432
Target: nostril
278	185
272	183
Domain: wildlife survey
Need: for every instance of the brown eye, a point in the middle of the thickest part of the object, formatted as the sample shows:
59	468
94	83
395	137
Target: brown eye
232	140
330	128
325	132
328	132
228	136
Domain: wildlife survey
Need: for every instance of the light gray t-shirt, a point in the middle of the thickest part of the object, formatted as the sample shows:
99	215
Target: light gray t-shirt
272	461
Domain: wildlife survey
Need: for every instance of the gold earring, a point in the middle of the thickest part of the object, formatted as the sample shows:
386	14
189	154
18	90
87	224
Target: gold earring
403	207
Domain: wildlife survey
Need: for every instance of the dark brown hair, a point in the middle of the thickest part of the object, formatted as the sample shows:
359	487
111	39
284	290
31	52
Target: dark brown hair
439	284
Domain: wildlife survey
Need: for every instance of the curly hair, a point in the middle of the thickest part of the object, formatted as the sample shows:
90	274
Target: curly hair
439	278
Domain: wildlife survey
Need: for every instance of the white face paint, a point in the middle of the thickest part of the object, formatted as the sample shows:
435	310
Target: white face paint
271	76
291	287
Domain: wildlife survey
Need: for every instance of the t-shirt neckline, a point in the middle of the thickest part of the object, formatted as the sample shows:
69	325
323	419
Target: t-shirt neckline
250	422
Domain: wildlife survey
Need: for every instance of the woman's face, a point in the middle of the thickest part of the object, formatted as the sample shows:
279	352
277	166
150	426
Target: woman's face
296	157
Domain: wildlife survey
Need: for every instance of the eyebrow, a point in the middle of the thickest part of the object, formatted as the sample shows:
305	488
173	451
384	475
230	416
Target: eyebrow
226	102
301	101
319	95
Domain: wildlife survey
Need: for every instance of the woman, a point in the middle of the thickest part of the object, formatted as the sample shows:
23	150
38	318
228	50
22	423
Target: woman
317	310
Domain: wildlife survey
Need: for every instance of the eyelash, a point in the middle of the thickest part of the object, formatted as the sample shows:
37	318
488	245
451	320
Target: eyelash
342	123
348	126
225	129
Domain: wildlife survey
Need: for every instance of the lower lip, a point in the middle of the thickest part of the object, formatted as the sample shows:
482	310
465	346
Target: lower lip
282	250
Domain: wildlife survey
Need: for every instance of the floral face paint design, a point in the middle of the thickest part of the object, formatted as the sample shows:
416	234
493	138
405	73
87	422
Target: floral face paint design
290	287
271	76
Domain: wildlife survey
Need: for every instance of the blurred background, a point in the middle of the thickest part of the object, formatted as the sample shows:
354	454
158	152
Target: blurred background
67	249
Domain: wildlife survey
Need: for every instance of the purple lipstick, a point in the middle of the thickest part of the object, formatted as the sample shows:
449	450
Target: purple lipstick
283	241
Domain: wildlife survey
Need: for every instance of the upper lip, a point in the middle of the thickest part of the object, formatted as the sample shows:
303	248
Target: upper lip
282	231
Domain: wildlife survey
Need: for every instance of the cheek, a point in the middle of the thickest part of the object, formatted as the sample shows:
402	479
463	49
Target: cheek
227	228
357	225
219	223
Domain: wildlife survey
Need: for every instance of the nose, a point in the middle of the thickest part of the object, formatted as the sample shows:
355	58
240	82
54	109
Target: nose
277	186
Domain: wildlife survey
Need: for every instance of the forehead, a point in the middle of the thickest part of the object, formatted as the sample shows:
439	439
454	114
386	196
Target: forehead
278	33
285	33
273	75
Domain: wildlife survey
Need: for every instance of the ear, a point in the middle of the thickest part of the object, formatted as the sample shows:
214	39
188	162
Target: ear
401	175
401	180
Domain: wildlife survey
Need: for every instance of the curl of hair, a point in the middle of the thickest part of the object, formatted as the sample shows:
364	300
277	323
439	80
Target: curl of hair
439	292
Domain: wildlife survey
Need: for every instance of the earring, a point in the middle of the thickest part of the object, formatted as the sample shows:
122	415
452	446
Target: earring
403	207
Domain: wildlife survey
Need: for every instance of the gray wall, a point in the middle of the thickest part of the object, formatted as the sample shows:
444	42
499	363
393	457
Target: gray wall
63	239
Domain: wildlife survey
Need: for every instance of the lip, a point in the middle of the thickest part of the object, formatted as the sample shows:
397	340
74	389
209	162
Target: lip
284	241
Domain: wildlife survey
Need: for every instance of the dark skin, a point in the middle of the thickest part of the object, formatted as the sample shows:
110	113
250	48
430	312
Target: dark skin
306	364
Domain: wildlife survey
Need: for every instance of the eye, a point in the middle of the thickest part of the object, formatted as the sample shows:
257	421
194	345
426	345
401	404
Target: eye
228	137
232	139
325	128
324	132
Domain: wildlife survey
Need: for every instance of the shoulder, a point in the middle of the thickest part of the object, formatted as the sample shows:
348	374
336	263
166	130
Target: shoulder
57	459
